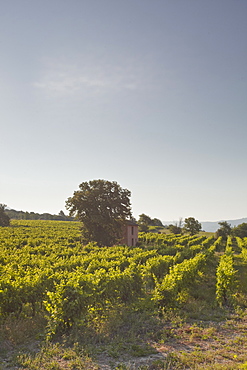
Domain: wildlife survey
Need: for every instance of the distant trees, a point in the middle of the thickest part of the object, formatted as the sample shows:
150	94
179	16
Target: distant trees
21	215
4	218
102	207
156	222
240	230
177	227
145	221
192	226
224	230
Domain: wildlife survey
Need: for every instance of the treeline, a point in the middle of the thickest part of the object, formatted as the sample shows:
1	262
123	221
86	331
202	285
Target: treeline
226	230
21	215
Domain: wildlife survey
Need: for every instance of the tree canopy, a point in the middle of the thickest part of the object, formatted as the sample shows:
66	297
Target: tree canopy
4	218
145	221
102	207
192	226
175	229
240	230
224	230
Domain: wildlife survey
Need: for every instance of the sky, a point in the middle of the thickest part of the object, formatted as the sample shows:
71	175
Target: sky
151	94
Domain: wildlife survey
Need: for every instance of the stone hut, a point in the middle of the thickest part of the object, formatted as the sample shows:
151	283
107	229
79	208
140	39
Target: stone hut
130	233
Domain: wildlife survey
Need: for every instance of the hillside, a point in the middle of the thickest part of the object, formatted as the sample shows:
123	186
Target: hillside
213	226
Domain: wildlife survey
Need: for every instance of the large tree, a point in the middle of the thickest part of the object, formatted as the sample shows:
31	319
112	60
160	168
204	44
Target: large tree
4	218
102	207
192	226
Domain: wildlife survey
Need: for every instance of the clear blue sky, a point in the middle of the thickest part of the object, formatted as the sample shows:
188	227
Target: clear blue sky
149	93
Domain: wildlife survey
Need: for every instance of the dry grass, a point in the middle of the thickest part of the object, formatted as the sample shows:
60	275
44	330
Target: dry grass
128	341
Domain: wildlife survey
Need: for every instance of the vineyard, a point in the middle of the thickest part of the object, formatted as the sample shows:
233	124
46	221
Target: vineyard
47	275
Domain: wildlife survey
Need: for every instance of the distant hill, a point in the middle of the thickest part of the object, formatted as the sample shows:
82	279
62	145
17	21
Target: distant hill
212	226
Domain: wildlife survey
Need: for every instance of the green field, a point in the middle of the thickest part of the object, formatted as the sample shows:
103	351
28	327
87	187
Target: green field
173	302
